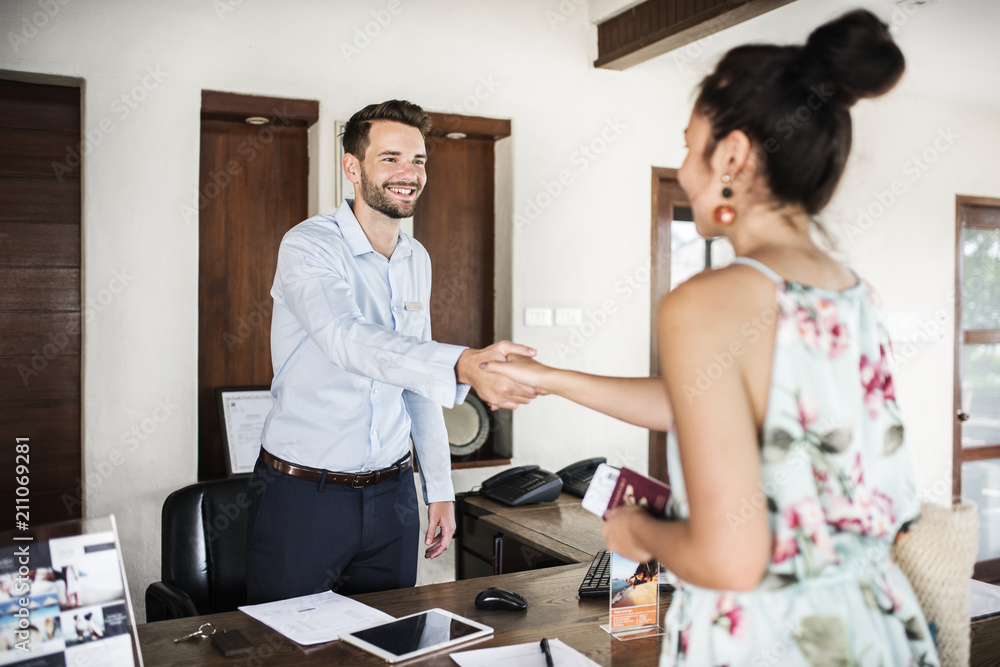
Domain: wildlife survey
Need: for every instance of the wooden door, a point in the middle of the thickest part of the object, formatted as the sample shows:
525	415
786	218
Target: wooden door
667	197
976	441
253	188
40	305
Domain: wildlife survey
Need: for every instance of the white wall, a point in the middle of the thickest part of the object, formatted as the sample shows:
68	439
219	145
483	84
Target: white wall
501	59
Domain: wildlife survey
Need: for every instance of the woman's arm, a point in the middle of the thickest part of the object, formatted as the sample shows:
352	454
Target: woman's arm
722	545
639	401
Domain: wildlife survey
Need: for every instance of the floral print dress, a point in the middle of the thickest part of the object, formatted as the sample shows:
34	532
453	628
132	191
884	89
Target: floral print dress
838	482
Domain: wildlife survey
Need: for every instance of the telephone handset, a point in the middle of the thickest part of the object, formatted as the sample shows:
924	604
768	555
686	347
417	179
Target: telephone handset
576	476
523	485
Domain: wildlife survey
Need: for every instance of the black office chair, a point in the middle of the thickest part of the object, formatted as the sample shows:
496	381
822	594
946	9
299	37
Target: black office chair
203	564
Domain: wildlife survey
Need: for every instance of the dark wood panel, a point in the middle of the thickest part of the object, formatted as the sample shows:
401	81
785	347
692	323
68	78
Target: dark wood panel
40	198
655	27
32	152
23	334
981	214
33	106
248	205
44	422
39	289
36	243
984	453
40	301
476	127
229	106
454	220
982	337
45	379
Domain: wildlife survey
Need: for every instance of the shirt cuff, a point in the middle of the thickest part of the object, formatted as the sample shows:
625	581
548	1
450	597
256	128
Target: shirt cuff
449	354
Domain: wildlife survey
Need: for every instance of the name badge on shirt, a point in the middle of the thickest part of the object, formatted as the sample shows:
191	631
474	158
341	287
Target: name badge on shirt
413	305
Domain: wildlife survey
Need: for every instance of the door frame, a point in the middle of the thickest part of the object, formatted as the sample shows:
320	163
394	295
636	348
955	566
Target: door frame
988	570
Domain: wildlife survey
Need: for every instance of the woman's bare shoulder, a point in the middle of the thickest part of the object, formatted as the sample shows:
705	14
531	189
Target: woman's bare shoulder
721	297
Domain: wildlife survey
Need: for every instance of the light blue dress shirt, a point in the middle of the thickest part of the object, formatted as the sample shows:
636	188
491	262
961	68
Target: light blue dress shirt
355	370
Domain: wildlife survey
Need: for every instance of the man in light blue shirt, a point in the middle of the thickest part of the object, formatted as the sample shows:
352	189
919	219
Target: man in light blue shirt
355	375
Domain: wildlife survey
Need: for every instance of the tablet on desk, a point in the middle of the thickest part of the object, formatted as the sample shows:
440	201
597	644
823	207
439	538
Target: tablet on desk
417	634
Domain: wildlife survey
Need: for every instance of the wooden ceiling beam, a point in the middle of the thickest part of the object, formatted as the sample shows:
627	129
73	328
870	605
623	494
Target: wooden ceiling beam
658	26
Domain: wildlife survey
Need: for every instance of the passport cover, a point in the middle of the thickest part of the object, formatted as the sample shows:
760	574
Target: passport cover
633	488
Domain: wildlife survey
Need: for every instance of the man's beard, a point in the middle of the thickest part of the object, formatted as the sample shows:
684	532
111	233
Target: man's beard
377	198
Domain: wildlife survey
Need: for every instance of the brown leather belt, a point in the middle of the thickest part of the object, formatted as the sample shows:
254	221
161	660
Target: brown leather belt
353	480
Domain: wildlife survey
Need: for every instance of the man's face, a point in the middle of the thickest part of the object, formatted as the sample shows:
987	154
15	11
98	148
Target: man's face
393	173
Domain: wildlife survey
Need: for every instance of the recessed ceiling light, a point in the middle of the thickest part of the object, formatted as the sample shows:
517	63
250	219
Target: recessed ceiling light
456	135
257	120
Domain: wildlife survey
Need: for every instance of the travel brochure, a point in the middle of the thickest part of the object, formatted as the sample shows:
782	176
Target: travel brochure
634	586
63	603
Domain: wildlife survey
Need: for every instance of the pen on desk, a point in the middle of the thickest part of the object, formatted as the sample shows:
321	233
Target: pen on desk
548	654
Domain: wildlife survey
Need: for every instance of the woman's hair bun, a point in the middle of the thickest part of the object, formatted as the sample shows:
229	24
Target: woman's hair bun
855	55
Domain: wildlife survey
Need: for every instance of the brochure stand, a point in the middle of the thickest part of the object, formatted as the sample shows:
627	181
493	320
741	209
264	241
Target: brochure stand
68	600
634	610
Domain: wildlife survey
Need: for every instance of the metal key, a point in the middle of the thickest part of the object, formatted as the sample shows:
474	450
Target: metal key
200	633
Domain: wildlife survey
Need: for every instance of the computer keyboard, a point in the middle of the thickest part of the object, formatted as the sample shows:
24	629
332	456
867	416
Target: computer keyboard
597	582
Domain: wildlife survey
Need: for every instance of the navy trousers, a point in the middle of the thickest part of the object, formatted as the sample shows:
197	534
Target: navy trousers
307	537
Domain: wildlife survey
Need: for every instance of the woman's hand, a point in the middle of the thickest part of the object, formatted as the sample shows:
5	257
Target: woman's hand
524	371
621	526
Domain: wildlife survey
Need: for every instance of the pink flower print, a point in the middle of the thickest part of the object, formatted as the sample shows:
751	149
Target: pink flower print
844	515
895	599
785	546
824	544
732	613
808	328
877	382
883	516
808	410
685	638
834	333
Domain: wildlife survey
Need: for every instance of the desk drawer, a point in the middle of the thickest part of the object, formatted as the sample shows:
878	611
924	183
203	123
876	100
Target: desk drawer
477	537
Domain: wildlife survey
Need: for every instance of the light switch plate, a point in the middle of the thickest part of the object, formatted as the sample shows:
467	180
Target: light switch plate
569	317
537	317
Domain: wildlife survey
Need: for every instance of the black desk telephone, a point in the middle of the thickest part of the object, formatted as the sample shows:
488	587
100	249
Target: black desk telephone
525	485
576	476
522	486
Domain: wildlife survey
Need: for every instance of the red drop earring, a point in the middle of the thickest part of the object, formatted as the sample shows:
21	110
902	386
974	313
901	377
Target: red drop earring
724	214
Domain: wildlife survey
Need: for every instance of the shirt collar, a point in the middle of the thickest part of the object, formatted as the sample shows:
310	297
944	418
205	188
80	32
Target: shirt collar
356	238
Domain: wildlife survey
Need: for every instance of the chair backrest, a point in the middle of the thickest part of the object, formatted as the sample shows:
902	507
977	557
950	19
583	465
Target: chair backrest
203	545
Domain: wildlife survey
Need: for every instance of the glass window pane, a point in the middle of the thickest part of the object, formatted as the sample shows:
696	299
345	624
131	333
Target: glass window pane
981	281
981	485
981	395
688	252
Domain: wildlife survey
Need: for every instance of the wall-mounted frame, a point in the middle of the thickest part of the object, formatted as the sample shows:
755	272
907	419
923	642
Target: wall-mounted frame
242	411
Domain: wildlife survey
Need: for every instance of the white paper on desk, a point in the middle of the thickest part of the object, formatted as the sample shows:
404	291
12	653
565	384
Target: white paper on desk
523	655
314	619
599	492
984	599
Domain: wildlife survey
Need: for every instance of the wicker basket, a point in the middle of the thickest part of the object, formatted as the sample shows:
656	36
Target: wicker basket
938	555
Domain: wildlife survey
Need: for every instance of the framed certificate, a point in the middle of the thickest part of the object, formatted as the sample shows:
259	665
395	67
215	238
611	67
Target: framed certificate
242	411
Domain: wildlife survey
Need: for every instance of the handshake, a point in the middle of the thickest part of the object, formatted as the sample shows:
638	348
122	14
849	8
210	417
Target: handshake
503	374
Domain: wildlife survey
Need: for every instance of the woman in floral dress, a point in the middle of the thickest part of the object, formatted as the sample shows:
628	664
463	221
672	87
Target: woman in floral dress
788	458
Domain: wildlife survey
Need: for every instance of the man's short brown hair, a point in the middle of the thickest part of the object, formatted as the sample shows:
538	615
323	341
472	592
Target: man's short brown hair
399	111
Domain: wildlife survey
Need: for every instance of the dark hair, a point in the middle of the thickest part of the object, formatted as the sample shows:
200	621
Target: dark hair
400	111
793	102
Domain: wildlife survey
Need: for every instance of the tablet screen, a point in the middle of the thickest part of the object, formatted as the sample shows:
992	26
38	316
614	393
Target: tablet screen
417	633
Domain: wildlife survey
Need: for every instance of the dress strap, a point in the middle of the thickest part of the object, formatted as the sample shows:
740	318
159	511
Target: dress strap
760	266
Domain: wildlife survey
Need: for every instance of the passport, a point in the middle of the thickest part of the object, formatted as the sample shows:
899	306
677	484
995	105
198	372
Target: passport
612	487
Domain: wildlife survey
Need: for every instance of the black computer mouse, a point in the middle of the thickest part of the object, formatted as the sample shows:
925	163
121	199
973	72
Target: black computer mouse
498	598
